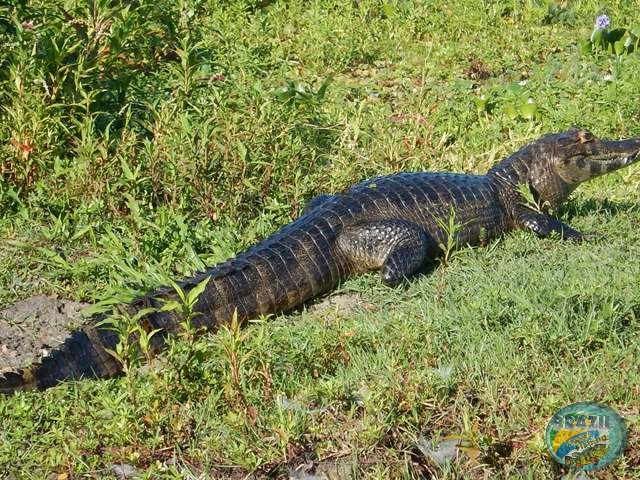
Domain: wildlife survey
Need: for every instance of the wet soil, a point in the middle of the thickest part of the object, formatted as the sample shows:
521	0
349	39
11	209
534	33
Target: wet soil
30	328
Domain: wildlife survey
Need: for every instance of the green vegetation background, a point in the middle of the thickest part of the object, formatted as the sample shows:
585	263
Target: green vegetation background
146	139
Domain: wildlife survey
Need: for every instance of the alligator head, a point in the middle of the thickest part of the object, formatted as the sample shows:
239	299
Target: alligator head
556	164
579	156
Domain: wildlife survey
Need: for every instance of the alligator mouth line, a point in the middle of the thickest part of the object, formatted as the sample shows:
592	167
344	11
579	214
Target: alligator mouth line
632	158
619	158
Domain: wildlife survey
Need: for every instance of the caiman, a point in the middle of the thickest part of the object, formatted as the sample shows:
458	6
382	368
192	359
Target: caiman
393	224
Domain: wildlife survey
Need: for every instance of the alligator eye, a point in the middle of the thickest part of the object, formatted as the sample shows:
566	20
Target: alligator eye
585	136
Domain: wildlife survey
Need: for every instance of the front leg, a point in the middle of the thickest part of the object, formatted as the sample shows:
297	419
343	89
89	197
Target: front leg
543	225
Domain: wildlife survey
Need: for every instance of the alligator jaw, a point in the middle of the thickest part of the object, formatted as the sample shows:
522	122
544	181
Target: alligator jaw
612	155
582	157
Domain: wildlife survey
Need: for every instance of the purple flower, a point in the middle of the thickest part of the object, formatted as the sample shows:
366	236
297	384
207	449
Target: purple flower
602	22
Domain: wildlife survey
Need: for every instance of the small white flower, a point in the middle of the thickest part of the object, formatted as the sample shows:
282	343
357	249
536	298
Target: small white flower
608	78
531	100
522	83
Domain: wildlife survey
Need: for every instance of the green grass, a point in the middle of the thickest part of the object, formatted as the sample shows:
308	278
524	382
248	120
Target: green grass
140	140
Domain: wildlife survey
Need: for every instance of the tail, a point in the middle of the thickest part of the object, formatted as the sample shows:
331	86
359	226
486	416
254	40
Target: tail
82	355
280	273
85	353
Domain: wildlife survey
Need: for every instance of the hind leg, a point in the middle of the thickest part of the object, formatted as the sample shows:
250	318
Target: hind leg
398	248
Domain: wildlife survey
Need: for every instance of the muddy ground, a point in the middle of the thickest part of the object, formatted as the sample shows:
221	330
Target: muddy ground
30	328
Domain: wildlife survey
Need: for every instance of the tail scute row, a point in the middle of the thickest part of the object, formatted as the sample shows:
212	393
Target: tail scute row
82	355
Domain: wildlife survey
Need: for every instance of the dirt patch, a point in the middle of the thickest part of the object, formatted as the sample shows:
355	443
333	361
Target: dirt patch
477	70
336	469
30	328
340	304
